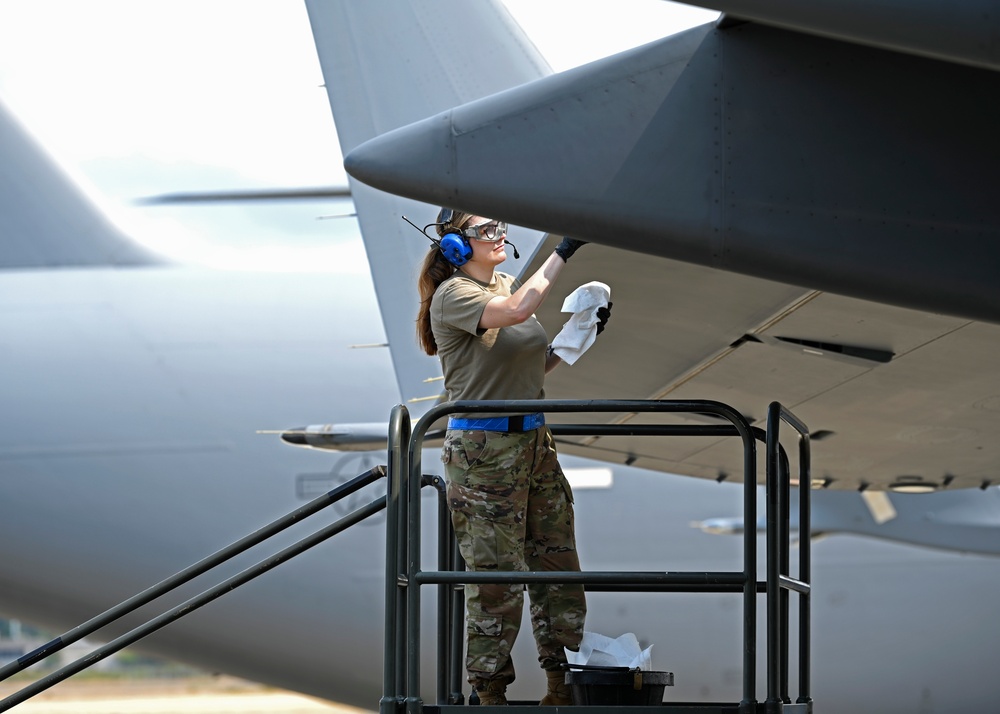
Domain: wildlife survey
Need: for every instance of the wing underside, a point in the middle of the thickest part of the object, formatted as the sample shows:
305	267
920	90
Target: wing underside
890	395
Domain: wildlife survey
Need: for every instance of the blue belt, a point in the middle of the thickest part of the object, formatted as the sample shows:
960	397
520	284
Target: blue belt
521	422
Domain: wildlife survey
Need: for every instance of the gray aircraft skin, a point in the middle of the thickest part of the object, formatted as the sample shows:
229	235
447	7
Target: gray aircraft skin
834	165
816	213
129	450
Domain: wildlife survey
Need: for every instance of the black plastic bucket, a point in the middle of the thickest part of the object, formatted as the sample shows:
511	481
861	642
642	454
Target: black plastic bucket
616	686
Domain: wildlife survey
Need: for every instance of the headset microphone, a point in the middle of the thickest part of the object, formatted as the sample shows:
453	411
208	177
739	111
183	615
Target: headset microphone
516	255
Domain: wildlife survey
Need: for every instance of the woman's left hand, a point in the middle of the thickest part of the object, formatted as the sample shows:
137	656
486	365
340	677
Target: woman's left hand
603	315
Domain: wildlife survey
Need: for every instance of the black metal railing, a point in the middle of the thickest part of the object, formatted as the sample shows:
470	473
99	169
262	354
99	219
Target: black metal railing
778	548
404	576
175	581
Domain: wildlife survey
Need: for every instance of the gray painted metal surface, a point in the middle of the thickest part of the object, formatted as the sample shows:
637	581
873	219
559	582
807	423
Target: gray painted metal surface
790	158
964	31
683	331
776	154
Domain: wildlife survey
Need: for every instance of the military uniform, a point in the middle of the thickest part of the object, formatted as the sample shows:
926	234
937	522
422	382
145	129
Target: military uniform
511	505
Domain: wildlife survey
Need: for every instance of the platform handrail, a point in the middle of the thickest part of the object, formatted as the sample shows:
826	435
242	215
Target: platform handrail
778	558
173	582
395	546
409	488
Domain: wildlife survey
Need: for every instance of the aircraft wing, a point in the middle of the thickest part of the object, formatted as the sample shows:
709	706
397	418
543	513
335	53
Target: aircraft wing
863	172
894	397
962	32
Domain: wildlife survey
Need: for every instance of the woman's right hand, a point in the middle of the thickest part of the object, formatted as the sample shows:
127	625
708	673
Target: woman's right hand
567	247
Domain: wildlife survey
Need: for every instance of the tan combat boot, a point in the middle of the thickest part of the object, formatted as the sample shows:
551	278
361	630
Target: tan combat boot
559	694
492	693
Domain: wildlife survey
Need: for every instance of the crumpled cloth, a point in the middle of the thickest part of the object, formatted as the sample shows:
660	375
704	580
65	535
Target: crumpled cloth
580	331
601	651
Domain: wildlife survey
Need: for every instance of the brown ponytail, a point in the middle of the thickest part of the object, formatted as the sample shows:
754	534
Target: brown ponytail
436	269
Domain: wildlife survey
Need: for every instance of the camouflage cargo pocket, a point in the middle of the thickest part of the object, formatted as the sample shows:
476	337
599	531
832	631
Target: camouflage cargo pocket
550	465
464	450
476	504
485	645
489	528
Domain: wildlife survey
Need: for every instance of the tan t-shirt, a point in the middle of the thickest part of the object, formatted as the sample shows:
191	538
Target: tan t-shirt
502	363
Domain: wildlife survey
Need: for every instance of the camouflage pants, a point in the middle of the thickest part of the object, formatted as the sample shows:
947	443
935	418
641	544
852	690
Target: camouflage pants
512	509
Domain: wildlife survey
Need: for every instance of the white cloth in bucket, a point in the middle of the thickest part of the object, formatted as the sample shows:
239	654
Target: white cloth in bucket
604	651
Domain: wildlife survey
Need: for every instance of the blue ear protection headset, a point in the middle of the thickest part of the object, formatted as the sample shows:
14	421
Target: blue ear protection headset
454	246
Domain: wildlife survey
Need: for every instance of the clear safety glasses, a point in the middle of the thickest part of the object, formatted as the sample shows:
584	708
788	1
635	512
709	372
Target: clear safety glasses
490	232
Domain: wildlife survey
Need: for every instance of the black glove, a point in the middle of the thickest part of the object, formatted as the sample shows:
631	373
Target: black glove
567	247
603	315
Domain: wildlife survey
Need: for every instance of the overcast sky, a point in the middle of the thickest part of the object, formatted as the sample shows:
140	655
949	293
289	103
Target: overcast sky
140	98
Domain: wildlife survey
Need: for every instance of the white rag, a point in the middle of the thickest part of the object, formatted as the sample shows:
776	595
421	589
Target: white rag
580	331
602	651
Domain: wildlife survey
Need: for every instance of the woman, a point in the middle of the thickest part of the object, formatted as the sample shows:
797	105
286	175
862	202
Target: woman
510	503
